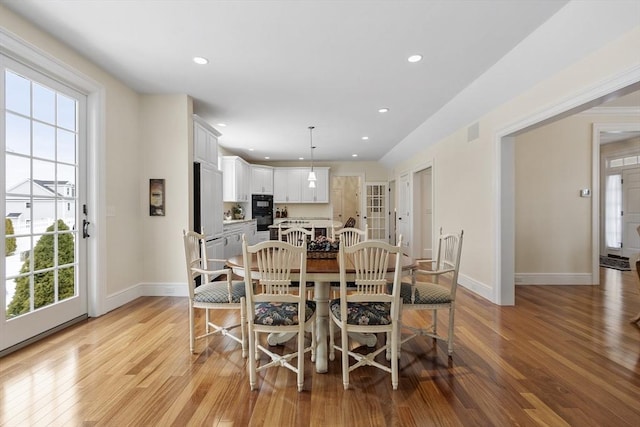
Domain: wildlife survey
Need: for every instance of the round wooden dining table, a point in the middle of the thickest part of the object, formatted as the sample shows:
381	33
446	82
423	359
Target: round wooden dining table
320	271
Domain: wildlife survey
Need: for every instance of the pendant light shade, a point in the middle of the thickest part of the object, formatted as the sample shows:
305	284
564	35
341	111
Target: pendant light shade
312	175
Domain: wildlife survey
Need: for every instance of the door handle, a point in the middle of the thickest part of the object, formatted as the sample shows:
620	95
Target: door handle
85	228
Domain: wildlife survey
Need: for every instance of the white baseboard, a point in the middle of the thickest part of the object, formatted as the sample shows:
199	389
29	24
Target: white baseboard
163	289
143	290
482	289
553	279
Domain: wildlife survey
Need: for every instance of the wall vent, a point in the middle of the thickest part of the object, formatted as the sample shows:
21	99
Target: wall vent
473	132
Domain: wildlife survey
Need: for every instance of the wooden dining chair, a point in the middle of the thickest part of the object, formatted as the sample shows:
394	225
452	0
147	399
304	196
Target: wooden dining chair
372	306
275	306
425	292
206	294
349	236
298	236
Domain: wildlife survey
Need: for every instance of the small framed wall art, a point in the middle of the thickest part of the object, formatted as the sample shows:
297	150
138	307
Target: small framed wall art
156	197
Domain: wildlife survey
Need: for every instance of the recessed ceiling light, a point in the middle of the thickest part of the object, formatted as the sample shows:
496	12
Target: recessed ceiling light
222	125
250	149
267	157
383	110
354	155
300	158
365	138
415	58
200	60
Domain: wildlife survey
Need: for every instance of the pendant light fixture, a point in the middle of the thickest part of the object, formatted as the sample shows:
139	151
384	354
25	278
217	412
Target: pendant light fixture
312	174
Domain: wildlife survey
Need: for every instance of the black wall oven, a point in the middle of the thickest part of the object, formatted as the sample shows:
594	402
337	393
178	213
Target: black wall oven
262	210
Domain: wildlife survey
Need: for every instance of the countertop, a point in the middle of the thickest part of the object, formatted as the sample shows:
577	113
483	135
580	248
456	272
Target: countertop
236	221
306	223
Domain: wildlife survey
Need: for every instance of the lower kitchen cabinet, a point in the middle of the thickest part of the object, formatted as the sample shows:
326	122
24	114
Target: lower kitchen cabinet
232	239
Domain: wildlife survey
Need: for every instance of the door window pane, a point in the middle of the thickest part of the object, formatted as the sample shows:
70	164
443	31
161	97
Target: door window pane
18	98
66	146
17	173
44	141
44	104
18	134
66	114
613	210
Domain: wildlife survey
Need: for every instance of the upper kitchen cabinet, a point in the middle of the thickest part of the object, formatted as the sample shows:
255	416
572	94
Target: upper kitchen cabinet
205	142
236	177
261	179
290	185
319	194
287	185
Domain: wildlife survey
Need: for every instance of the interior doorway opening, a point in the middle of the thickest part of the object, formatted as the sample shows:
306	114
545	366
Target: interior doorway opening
504	291
346	198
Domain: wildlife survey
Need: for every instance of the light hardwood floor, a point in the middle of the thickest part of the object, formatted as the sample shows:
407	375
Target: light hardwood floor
563	355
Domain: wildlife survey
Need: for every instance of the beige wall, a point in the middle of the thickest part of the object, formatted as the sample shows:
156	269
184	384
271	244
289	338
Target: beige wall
121	164
553	223
466	185
144	137
165	127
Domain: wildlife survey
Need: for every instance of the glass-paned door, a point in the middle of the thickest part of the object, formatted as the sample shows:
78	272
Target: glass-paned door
376	210
42	260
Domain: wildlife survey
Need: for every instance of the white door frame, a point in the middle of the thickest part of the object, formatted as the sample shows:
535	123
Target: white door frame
13	46
416	223
362	206
504	201
598	128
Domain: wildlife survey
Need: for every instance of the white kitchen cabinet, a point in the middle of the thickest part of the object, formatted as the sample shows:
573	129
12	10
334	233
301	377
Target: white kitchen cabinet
236	179
215	250
211	205
287	184
205	142
290	185
250	229
261	179
232	240
319	194
233	236
262	236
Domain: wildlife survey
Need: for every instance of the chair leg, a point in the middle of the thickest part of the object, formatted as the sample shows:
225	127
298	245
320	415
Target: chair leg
313	341
256	351
332	334
192	339
253	344
301	357
394	357
243	326
452	313
435	322
344	338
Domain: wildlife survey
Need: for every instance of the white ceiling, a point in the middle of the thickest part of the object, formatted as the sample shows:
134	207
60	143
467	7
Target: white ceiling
277	67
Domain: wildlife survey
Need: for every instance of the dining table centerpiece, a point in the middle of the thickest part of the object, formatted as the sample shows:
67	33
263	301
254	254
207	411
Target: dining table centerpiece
323	247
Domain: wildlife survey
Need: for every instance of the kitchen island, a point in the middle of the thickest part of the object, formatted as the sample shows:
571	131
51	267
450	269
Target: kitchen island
321	226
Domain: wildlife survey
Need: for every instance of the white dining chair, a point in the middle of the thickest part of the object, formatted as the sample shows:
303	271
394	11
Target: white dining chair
275	306
206	294
426	292
372	306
